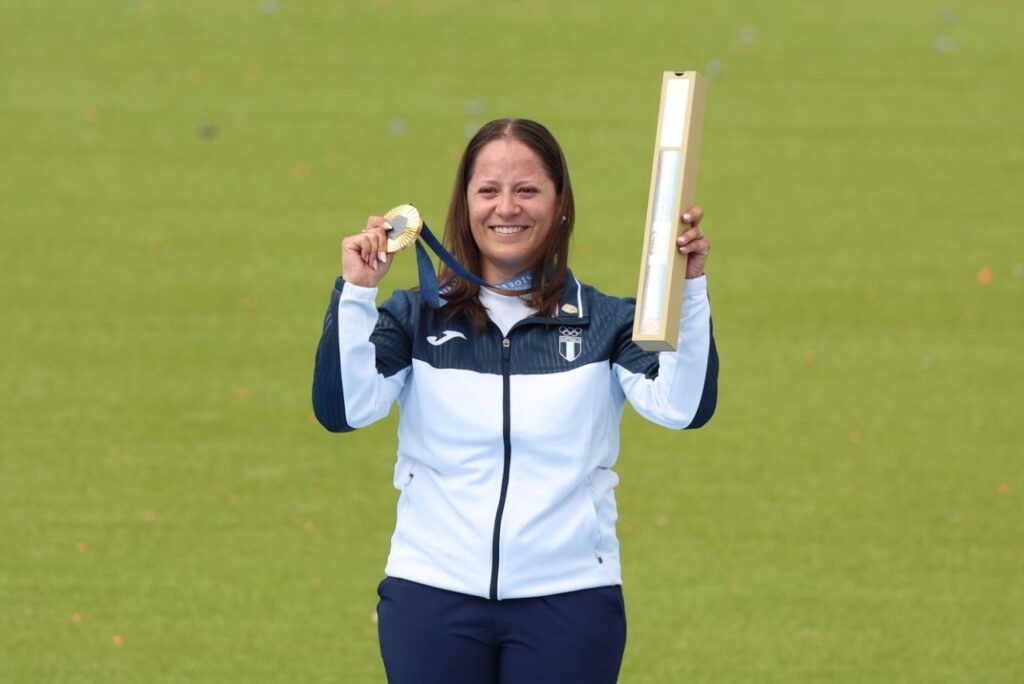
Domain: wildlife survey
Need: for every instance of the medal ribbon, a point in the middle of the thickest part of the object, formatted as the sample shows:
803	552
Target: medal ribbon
429	289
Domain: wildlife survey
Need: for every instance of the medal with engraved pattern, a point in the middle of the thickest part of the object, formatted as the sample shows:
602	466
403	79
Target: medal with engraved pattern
406	224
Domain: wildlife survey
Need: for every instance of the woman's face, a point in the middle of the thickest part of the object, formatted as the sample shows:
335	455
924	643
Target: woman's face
512	204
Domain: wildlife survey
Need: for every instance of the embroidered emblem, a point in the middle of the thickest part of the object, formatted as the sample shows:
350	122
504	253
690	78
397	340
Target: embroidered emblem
570	309
570	342
446	336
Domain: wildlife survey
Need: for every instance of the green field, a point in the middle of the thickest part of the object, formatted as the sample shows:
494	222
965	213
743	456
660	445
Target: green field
175	178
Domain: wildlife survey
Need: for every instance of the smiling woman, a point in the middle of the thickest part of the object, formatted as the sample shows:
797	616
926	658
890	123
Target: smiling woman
504	564
512	204
512	212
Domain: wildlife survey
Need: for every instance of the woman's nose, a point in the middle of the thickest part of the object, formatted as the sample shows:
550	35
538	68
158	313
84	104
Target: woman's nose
507	205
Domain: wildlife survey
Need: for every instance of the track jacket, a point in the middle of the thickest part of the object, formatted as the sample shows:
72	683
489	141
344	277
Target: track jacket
506	443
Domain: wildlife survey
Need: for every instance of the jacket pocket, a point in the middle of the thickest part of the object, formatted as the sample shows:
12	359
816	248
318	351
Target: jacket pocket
405	476
595	517
600	486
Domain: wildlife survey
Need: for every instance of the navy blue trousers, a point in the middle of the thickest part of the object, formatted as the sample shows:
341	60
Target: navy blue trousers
433	636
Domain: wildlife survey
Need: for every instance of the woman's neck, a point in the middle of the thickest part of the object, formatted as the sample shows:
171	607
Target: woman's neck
503	282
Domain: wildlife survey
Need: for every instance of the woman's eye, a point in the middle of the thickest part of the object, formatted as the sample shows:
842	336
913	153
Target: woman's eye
528	191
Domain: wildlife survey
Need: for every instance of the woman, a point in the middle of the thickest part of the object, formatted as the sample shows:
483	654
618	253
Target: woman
504	565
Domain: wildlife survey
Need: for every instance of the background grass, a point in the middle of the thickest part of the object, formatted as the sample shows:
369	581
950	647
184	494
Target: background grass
174	181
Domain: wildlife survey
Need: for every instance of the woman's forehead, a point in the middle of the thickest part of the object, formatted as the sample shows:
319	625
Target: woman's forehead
507	159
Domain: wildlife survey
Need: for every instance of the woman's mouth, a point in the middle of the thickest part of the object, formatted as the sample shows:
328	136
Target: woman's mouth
508	230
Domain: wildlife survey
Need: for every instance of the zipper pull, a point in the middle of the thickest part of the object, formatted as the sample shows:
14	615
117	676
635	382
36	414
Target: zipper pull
505	347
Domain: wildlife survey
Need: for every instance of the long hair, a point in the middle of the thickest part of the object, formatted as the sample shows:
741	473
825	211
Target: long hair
549	263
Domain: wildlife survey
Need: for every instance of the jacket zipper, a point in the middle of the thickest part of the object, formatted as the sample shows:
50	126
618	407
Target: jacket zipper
506	416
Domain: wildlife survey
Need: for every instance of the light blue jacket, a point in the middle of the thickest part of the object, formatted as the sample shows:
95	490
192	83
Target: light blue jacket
506	443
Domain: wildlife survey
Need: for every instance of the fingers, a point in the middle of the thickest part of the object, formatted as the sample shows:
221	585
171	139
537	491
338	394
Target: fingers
692	240
699	246
692	243
376	248
365	248
692	216
364	257
373	222
690	236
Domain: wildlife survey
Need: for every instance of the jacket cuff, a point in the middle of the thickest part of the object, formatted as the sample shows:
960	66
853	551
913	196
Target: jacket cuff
356	292
696	287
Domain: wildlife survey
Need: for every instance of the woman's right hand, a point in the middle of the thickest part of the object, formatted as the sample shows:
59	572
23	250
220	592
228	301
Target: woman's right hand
364	257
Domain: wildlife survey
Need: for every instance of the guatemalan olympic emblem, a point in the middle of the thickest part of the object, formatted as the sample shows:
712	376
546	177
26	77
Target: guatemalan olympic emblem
570	342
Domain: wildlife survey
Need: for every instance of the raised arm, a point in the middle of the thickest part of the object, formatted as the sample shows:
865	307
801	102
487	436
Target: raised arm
676	389
364	354
362	360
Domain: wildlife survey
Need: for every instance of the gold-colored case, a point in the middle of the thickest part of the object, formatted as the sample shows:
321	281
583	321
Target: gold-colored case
660	331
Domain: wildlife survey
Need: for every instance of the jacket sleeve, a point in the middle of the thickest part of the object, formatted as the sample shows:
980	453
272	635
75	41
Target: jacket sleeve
675	389
363	358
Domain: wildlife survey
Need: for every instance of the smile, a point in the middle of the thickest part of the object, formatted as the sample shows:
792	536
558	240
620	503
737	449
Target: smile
508	230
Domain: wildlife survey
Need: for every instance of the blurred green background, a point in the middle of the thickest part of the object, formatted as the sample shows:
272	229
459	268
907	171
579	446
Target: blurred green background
175	178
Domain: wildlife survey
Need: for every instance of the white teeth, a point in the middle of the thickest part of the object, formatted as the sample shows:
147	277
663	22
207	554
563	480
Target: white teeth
508	230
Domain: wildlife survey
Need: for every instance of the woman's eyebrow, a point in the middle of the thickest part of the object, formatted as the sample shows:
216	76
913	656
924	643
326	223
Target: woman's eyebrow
492	181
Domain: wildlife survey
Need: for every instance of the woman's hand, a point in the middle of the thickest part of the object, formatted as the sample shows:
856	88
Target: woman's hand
692	243
364	257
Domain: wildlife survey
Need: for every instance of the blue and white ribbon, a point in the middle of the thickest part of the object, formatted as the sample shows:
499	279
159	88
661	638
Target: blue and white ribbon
428	277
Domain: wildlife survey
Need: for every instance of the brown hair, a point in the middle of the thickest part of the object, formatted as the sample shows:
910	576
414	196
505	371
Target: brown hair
549	266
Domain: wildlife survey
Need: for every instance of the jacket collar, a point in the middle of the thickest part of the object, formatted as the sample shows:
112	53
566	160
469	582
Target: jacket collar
573	308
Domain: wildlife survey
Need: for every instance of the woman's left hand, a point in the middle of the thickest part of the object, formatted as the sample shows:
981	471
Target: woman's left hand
692	243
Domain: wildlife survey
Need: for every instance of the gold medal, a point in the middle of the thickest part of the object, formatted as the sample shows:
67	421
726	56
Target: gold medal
405	227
